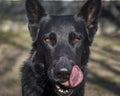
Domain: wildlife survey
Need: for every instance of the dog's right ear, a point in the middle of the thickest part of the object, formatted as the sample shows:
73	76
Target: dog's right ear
90	13
35	12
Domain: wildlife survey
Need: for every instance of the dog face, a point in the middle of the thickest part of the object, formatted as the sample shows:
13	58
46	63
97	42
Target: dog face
61	43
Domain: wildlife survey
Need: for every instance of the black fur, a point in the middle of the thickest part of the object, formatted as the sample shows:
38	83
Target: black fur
58	42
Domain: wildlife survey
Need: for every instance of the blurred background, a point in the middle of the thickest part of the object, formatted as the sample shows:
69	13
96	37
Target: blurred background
15	44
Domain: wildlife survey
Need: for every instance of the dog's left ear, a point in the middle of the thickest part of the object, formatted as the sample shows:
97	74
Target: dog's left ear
90	13
35	13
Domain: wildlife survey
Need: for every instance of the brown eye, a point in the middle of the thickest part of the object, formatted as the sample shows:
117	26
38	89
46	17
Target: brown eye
75	40
51	39
47	40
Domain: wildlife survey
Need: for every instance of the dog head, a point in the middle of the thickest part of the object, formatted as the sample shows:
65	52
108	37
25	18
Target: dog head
61	43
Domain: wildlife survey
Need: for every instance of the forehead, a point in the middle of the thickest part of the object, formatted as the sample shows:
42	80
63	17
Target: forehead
63	24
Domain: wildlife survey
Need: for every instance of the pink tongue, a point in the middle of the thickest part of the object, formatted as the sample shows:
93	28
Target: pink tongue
75	79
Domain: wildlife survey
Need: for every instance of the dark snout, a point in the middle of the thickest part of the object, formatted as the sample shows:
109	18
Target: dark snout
63	68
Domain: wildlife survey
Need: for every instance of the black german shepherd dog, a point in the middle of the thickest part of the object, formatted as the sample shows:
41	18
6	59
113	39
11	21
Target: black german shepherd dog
57	65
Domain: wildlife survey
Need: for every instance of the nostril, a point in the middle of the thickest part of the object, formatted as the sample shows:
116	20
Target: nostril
62	73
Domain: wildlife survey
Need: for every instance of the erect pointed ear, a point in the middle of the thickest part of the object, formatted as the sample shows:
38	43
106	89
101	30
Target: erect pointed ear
35	12
90	13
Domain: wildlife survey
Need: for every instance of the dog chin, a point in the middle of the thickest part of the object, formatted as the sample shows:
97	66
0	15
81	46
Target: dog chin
62	90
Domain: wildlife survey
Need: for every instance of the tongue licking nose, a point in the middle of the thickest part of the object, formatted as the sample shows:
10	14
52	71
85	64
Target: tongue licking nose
75	78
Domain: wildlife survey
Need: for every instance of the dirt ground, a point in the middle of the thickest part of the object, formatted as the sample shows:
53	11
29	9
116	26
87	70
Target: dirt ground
103	68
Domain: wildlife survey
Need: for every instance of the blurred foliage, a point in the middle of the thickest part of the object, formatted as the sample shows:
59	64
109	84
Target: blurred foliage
109	22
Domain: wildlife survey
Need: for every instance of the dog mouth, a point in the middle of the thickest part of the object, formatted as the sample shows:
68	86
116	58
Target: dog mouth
66	88
63	90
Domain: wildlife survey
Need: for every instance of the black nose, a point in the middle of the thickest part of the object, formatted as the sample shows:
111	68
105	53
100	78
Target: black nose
62	68
62	73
